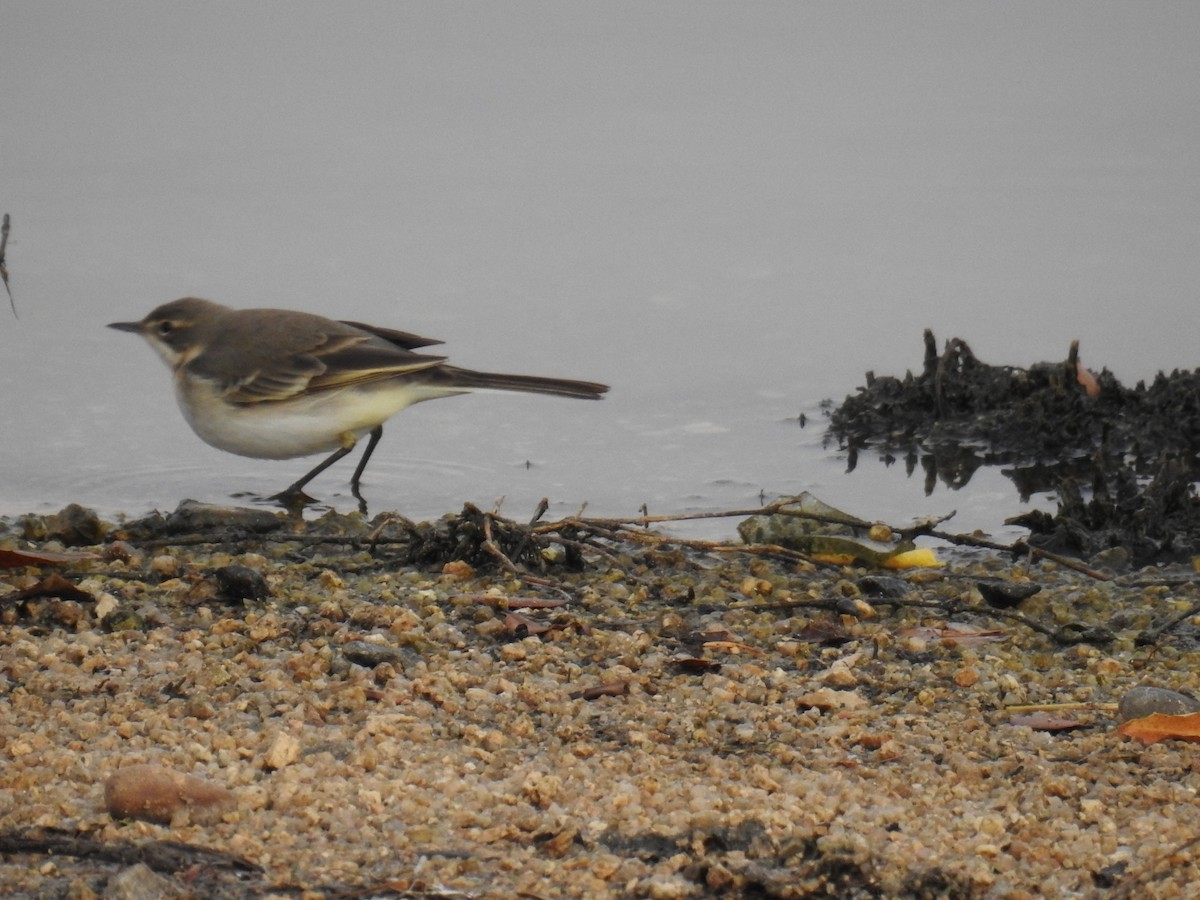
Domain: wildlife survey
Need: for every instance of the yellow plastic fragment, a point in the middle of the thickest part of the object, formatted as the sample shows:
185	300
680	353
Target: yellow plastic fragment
912	559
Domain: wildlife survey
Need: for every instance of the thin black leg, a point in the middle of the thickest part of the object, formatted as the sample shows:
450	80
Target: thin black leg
294	494
376	434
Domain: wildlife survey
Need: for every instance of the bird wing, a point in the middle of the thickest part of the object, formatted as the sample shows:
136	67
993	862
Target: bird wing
405	339
338	355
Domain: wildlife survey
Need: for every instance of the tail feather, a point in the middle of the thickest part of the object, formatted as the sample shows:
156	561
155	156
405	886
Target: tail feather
468	379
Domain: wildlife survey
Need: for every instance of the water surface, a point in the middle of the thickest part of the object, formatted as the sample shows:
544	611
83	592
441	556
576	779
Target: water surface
728	213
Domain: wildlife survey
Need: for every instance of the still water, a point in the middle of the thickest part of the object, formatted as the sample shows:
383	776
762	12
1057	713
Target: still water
727	213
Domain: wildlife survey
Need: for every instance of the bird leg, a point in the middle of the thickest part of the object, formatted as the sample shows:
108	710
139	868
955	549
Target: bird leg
294	496
376	434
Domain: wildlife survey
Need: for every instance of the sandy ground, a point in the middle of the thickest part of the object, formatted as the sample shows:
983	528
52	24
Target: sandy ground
690	725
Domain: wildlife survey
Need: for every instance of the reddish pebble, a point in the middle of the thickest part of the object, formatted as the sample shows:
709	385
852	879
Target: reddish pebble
157	794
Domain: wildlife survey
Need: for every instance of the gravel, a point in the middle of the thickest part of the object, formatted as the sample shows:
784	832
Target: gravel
684	724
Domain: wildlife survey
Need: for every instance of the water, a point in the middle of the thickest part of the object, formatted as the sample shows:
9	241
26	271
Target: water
728	213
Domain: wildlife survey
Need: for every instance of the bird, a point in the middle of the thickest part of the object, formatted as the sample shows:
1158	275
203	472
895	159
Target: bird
279	384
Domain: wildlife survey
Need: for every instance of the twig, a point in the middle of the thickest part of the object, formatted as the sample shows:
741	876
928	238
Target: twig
1150	635
490	545
4	229
1020	708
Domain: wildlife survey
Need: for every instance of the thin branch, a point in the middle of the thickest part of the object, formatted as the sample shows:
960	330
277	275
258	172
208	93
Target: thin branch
4	229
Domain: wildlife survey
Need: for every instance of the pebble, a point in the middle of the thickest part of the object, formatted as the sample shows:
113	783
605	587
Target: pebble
158	794
140	882
241	583
1145	701
370	655
165	565
884	586
284	751
1002	594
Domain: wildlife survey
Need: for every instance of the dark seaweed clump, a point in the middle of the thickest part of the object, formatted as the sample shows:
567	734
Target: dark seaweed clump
1123	461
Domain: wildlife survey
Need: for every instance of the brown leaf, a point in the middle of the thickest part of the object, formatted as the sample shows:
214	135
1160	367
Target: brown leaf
16	559
53	585
696	665
829	634
1159	727
611	689
713	634
525	625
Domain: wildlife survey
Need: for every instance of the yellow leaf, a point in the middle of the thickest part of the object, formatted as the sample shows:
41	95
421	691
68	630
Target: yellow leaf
922	557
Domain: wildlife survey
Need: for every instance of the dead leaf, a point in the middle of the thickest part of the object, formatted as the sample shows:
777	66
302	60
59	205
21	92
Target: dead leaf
525	626
17	559
829	634
1085	378
1160	727
53	585
696	665
712	634
611	689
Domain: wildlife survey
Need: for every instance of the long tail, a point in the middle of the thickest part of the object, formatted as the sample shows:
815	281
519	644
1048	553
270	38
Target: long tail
467	379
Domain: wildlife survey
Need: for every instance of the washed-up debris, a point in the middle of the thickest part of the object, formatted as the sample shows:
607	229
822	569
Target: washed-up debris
811	526
1004	594
1121	460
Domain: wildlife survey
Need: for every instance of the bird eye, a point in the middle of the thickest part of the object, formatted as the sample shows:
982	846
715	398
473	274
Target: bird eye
165	328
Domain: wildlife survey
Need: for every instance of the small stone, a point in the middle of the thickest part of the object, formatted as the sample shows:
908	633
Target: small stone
158	794
284	750
191	517
120	550
241	583
74	526
1145	701
839	675
1001	594
105	604
884	586
1114	559
458	570
828	698
966	677
140	882
369	654
165	565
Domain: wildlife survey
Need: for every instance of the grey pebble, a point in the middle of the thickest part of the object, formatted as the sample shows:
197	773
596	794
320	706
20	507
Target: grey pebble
365	653
241	583
1144	701
884	586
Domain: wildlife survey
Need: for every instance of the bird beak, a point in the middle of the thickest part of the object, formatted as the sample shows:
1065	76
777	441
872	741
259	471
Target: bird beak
135	327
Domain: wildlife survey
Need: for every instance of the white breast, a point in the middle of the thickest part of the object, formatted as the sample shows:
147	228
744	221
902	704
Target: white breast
300	426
